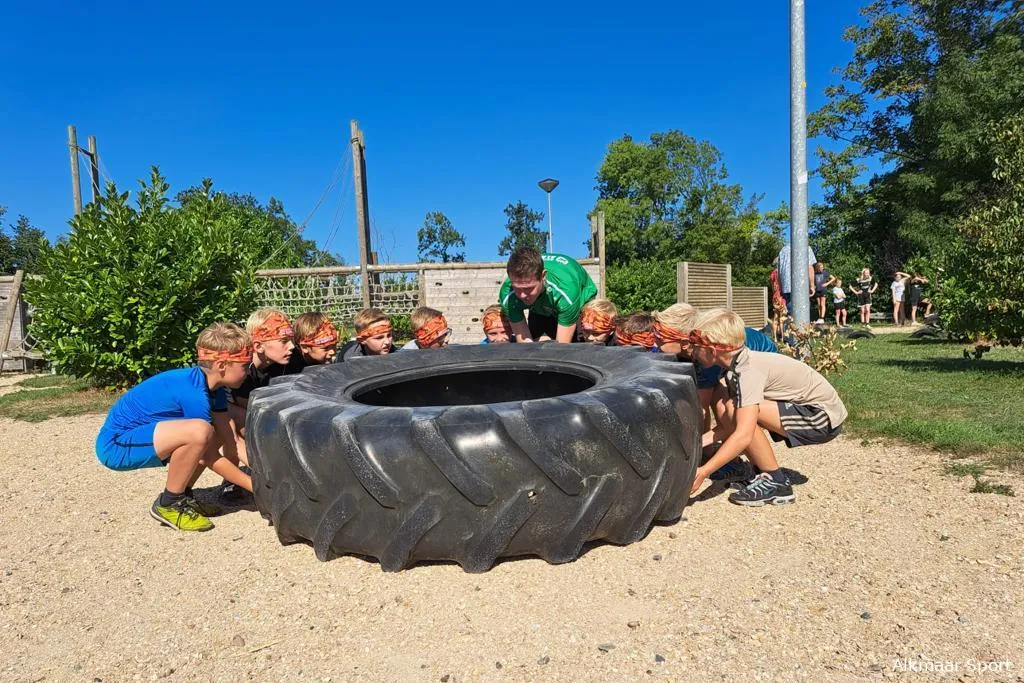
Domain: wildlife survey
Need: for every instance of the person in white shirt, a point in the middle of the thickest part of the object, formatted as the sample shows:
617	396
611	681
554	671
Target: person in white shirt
899	285
839	302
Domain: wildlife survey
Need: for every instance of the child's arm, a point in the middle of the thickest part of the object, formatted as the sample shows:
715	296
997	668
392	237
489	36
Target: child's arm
831	280
734	444
874	287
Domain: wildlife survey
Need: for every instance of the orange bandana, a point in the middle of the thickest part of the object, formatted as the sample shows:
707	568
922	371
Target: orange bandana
669	335
644	339
274	327
431	331
381	327
325	335
596	321
496	322
697	338
243	355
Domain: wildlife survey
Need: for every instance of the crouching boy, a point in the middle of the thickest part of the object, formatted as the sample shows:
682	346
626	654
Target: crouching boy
373	335
597	322
771	391
497	328
429	329
317	338
179	419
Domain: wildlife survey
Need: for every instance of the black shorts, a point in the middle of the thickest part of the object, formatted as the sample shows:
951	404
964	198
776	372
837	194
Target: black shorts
839	305
915	298
541	325
806	425
820	295
864	298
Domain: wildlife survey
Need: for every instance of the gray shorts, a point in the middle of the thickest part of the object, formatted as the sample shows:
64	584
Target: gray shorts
806	425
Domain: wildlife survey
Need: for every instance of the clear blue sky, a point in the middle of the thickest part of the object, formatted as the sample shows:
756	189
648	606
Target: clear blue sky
465	107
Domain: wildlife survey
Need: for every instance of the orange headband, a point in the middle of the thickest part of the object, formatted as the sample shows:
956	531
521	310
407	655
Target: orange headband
379	327
644	339
596	321
243	355
276	326
431	331
325	335
697	338
494	322
669	335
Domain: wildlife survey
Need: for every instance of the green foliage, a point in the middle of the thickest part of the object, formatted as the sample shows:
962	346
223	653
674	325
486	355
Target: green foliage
129	290
926	82
642	285
925	392
522	229
45	381
981	293
439	241
668	200
26	247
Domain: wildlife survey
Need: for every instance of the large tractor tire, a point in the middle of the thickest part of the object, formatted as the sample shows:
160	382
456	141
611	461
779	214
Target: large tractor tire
472	453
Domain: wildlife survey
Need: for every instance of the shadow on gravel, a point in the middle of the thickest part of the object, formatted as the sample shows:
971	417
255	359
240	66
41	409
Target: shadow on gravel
211	495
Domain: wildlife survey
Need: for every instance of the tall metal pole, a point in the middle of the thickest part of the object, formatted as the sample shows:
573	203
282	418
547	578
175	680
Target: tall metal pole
551	235
76	184
800	292
94	168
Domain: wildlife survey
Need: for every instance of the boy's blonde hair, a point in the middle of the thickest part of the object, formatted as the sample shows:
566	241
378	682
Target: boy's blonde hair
260	316
308	323
422	315
678	317
601	306
367	317
227	337
720	326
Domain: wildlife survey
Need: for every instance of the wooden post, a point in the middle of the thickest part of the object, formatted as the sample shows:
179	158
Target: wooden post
601	255
422	278
10	311
362	208
681	276
94	168
76	185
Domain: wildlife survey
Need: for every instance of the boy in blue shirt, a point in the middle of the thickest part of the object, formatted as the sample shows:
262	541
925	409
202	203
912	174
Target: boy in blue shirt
179	419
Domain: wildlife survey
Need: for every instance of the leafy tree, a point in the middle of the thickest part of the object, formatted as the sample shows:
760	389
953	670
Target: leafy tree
24	248
438	240
522	229
926	82
642	285
668	200
125	295
981	292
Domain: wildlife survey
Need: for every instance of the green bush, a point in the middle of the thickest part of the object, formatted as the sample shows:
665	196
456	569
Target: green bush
642	285
126	294
981	293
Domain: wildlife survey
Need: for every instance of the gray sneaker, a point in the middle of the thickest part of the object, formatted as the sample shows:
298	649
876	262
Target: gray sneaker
764	490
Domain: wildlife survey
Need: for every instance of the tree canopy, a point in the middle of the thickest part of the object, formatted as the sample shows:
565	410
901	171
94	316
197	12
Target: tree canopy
439	241
25	248
521	226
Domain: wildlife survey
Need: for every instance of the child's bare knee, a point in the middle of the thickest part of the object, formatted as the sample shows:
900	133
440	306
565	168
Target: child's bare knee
200	432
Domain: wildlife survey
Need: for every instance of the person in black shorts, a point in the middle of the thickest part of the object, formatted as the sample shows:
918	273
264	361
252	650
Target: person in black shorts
822	280
917	283
864	289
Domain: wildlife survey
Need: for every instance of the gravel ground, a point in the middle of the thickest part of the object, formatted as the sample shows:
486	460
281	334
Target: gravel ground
882	560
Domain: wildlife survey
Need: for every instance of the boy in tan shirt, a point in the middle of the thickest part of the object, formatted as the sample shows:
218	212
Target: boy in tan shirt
770	391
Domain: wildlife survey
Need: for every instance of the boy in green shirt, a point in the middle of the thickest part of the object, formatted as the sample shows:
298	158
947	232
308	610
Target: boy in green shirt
554	288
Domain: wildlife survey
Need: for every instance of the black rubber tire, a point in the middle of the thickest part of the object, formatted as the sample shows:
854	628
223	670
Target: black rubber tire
475	482
927	332
857	334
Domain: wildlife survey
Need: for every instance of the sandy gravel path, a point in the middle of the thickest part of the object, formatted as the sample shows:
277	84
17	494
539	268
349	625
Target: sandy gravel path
882	560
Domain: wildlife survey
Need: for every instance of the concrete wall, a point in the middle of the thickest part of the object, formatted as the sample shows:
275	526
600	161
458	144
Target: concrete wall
463	294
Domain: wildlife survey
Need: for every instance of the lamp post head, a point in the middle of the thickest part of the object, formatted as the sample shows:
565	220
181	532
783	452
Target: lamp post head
548	184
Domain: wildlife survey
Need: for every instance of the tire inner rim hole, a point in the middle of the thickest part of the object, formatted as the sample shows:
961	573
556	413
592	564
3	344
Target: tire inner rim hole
474	387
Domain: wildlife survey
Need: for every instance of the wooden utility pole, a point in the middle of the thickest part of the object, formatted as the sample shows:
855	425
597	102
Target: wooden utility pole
76	185
362	207
94	168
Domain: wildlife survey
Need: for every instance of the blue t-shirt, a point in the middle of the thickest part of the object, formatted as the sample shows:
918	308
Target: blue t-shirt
171	395
755	341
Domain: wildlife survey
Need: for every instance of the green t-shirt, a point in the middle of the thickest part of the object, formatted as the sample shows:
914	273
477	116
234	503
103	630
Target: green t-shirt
567	289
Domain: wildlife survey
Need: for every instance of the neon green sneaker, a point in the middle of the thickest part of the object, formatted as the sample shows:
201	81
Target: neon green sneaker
183	515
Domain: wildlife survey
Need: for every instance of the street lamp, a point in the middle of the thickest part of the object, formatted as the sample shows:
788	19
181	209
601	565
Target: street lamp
549	184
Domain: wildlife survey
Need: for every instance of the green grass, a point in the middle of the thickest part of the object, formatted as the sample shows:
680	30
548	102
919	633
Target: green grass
73	398
45	381
924	391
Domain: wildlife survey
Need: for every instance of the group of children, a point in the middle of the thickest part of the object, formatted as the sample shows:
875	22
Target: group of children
193	419
825	283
